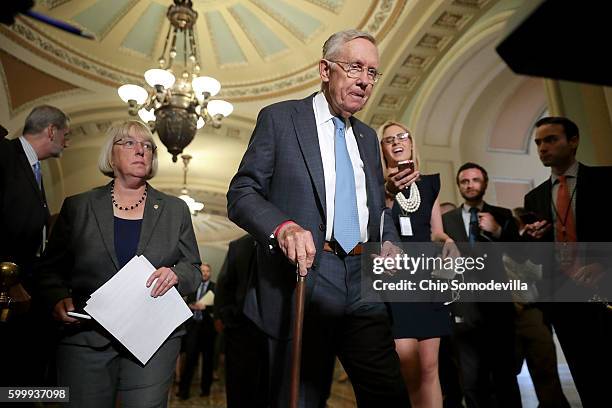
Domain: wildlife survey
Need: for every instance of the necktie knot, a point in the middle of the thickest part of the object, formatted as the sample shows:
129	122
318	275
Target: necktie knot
562	179
339	125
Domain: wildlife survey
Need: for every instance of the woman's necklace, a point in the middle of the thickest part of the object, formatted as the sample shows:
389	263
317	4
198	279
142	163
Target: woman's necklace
131	207
412	203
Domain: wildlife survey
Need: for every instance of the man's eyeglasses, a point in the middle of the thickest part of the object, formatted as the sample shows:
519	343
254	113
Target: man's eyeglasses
400	138
131	144
354	70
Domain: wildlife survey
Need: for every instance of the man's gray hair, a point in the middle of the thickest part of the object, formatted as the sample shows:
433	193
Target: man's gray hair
333	45
43	116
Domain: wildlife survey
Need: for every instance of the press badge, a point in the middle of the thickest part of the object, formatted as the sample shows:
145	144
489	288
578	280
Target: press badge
405	226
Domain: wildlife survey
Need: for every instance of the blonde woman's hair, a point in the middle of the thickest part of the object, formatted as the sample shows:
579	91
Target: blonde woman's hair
120	131
414	156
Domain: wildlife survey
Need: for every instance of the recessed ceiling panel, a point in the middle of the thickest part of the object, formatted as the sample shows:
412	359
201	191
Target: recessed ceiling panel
226	47
102	15
301	24
143	36
263	38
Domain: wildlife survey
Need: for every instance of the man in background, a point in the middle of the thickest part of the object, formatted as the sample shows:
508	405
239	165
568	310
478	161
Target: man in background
23	224
483	332
200	337
570	208
246	350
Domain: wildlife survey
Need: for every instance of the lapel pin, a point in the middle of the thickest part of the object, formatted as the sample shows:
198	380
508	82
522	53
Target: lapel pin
361	135
156	206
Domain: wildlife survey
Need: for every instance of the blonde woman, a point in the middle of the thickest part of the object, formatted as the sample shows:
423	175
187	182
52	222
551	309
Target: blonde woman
417	327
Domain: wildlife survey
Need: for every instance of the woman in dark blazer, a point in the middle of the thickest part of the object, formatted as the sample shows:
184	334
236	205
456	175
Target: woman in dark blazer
96	234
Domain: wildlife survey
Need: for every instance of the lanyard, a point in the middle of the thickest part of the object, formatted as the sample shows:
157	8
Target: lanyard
563	220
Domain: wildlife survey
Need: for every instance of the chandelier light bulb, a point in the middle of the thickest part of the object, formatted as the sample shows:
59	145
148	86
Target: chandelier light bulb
200	124
203	84
160	77
130	92
147	115
176	94
220	107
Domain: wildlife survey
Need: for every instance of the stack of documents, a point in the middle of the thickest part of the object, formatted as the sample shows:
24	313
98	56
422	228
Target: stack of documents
125	308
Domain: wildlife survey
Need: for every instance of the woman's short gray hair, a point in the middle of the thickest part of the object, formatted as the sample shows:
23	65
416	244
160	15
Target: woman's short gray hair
120	131
333	45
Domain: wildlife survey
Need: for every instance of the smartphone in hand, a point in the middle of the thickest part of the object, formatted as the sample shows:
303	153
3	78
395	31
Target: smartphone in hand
530	217
405	164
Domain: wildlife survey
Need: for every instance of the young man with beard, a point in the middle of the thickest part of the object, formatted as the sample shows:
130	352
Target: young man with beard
483	332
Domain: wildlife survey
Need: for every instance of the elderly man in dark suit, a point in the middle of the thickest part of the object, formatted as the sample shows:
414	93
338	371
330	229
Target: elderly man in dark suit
483	332
570	208
23	224
310	190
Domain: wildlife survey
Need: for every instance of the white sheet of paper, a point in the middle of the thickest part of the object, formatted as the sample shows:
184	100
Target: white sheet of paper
207	300
124	307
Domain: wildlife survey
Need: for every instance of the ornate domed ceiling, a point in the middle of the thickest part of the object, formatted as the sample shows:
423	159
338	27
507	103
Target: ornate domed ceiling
256	48
261	51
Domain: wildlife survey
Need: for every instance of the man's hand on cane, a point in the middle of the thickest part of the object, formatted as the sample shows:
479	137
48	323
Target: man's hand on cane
297	245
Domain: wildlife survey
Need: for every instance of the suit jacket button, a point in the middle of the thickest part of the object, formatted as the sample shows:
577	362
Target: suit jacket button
322	227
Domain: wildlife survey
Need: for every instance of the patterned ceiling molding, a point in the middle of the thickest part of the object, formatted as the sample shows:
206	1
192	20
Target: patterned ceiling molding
26	35
377	20
51	4
331	5
383	11
478	4
421	56
452	21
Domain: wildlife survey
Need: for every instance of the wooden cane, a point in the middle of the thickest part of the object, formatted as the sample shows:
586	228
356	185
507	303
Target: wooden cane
296	348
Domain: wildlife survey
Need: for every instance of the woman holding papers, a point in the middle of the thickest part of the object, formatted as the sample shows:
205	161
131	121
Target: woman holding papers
96	234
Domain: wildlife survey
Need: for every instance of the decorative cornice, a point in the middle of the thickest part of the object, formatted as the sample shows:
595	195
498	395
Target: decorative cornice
378	20
400	84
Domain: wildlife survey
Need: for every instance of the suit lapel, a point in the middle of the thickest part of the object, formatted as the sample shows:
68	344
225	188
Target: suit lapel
365	154
458	225
153	208
308	139
103	210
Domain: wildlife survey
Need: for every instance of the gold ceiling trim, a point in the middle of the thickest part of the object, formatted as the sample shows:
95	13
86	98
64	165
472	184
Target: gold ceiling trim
378	20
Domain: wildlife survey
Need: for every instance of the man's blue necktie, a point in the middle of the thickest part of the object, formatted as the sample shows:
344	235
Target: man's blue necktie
197	314
37	173
346	218
474	230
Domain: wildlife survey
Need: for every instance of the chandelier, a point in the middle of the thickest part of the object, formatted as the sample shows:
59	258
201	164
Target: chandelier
176	108
194	206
